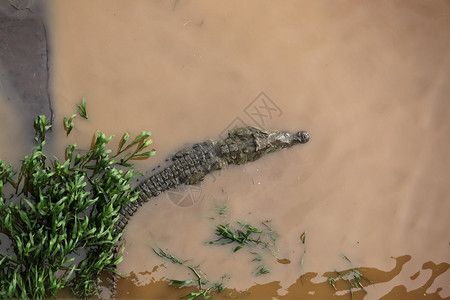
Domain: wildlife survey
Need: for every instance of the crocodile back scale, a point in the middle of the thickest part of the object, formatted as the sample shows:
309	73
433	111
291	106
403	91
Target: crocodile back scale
191	164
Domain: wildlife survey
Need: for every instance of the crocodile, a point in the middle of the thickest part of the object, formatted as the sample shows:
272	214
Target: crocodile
191	164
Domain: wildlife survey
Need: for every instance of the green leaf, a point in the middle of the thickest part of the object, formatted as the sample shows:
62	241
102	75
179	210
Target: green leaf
145	154
58	214
68	124
138	139
82	109
346	258
332	282
123	140
182	282
144	144
303	237
25	219
161	253
237	248
262	270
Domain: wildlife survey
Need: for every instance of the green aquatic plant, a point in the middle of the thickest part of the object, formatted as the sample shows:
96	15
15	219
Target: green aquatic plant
59	216
69	124
260	268
246	235
221	210
353	277
203	292
303	240
82	109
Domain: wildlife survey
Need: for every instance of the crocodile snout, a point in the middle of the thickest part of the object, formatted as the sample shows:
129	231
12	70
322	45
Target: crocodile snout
302	136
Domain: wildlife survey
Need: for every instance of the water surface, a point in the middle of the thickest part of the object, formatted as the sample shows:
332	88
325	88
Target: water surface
369	81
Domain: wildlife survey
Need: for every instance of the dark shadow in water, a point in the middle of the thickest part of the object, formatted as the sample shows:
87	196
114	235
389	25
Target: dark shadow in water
303	288
24	59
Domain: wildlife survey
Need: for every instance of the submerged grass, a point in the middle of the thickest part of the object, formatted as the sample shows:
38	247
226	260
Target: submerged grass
246	235
200	280
255	240
303	241
60	216
260	268
353	277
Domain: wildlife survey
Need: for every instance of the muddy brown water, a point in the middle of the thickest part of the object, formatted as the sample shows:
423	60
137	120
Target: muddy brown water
369	81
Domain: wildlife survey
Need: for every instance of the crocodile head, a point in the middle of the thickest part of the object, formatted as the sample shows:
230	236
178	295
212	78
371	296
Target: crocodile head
255	143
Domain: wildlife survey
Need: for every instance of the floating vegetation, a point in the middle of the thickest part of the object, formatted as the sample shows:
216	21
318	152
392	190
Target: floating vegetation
68	124
200	280
270	232
260	269
82	109
60	216
332	282
246	235
303	240
221	210
353	277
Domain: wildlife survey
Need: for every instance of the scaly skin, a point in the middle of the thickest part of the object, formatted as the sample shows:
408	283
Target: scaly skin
191	164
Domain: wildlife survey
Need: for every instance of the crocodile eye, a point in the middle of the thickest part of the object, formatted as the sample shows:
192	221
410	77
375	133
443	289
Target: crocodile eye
303	136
